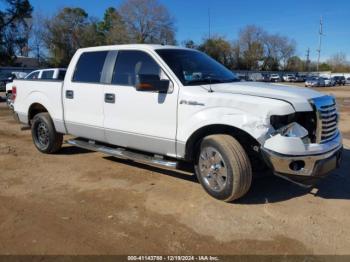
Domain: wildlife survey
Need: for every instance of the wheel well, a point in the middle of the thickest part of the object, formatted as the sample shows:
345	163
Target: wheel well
34	110
250	144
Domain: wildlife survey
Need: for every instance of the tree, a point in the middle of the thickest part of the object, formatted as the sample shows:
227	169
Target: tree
218	48
295	64
14	29
148	21
67	31
339	63
325	67
37	47
189	44
113	27
287	49
251	45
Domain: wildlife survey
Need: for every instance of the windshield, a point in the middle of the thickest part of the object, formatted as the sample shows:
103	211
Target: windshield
196	68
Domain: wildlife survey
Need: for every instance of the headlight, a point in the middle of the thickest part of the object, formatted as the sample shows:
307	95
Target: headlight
281	121
292	130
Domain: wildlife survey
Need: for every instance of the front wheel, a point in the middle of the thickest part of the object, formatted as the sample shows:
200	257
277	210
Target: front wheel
223	167
44	134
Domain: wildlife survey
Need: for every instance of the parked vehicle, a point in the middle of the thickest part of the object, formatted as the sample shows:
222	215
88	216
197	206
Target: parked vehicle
328	81
43	74
289	78
315	82
300	78
347	81
275	78
339	80
167	105
257	77
4	79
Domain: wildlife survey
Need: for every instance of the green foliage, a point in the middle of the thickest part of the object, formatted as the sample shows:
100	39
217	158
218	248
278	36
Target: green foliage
113	28
218	48
13	29
325	67
140	21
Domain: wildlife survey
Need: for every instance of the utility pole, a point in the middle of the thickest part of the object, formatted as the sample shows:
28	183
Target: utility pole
209	23
319	44
307	60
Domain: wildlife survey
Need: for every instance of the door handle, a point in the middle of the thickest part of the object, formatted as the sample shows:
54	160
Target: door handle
69	94
110	98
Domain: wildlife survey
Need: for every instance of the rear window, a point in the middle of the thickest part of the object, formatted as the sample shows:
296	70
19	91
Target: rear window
89	67
47	74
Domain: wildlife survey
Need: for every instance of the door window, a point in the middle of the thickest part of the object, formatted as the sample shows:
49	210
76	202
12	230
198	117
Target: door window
130	64
47	74
89	67
33	75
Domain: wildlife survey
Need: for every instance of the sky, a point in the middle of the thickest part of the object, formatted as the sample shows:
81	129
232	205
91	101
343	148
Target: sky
296	19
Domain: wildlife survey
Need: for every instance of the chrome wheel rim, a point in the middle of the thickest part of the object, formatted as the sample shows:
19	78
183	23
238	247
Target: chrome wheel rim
213	169
42	133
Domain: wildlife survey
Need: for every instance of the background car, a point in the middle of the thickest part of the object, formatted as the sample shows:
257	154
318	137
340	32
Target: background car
42	74
275	78
347	81
300	78
328	81
339	80
289	78
4	79
315	82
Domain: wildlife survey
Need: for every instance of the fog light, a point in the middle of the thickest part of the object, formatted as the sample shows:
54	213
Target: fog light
297	165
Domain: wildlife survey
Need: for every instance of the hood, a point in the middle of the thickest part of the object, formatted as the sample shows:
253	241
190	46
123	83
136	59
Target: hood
298	97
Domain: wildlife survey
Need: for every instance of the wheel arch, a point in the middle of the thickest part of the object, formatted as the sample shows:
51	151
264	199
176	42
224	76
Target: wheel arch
35	109
249	143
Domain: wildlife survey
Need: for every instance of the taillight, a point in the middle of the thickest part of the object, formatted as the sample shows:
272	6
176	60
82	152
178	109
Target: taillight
14	93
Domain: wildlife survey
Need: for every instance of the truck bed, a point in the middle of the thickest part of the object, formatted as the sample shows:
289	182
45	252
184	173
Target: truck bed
44	92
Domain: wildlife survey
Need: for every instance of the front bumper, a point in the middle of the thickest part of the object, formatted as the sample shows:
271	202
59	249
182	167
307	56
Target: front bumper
307	168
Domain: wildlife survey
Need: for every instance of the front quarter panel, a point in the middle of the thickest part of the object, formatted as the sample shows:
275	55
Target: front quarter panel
199	108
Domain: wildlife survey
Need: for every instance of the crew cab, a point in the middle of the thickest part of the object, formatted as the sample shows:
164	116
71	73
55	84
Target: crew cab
168	105
44	74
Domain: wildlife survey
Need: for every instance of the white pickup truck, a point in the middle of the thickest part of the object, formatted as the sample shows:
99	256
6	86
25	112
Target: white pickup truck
167	105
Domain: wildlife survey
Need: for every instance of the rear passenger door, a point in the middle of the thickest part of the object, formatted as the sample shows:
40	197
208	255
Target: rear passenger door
83	97
143	120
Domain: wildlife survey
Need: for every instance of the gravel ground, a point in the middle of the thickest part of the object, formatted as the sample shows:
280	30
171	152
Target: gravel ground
81	202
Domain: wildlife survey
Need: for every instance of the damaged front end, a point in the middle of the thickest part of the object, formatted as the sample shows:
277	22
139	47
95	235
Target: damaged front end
305	146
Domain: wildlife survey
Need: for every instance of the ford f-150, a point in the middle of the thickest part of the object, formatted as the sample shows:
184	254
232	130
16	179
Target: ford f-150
167	105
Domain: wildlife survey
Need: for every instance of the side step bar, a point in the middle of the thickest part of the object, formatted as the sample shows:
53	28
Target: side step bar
123	153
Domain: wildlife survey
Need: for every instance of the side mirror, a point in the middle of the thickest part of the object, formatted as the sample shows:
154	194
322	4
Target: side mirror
151	83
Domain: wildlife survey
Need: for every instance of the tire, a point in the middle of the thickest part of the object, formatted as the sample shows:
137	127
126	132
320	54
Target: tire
223	167
9	100
44	134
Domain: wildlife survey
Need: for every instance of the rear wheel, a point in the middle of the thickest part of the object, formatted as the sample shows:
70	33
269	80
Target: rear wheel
9	101
223	167
44	134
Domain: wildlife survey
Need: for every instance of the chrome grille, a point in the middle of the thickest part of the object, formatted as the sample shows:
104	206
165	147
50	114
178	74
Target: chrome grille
327	118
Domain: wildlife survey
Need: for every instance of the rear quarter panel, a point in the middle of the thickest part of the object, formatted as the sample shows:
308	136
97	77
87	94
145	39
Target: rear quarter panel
46	93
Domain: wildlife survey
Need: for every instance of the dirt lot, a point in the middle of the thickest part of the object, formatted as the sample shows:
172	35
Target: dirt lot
80	202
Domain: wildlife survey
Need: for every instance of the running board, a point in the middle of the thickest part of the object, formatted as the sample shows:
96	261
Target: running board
123	153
